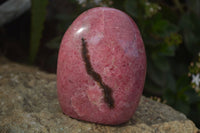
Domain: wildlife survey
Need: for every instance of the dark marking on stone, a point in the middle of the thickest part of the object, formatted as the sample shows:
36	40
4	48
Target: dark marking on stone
96	76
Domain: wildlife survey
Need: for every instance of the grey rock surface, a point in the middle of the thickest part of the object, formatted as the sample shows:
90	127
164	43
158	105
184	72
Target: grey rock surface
11	9
29	104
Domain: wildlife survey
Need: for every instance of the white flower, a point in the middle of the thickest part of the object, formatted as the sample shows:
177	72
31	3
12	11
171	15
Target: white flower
195	79
151	9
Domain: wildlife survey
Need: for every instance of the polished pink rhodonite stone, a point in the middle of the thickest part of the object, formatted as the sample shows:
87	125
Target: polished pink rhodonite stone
101	67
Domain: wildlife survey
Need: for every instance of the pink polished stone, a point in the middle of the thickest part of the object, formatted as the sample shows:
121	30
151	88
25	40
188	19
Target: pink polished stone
115	51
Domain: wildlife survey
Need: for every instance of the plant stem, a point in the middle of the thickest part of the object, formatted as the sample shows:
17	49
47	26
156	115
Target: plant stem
178	5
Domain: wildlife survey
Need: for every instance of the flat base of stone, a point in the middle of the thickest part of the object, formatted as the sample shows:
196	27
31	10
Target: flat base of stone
28	103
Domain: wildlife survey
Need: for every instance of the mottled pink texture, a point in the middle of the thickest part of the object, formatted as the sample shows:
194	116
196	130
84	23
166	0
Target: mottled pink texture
117	54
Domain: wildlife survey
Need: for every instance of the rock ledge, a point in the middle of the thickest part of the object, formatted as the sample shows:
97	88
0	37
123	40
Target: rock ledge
28	103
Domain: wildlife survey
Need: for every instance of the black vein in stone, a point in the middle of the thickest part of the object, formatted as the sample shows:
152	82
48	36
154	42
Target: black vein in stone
96	76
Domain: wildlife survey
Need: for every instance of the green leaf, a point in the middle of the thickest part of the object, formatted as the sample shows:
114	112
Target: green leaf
160	62
151	88
182	106
190	26
163	27
186	22
169	96
173	39
192	42
194	5
134	8
64	21
54	43
170	81
166	50
38	12
193	96
182	82
157	76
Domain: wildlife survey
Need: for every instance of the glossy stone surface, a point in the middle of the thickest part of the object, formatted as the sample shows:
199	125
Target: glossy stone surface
101	67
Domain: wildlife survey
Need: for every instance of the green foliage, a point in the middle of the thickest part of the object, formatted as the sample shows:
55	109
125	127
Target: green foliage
54	43
190	26
38	13
161	38
171	39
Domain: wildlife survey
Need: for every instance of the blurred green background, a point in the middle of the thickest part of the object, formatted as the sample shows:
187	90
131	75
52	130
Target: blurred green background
170	31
